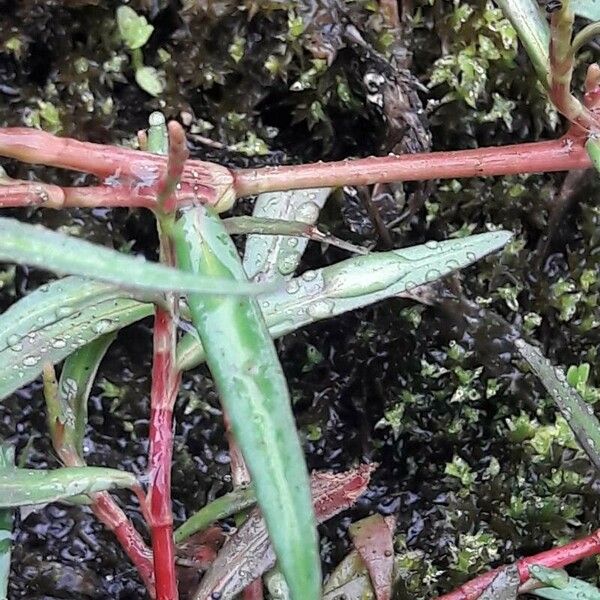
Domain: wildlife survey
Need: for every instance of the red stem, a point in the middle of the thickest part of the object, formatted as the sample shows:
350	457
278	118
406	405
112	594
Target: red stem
110	514
563	154
208	181
165	384
555	558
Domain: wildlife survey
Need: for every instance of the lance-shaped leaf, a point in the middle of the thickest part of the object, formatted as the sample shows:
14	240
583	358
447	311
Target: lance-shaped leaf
267	257
37	246
532	27
226	506
578	413
247	554
57	319
373	539
560	586
350	579
244	364
588	9
593	149
68	407
358	282
293	230
504	586
22	487
7	461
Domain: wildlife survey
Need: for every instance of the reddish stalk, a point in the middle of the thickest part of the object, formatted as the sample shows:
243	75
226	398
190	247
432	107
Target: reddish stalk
555	558
165	385
209	182
562	61
241	476
563	154
109	513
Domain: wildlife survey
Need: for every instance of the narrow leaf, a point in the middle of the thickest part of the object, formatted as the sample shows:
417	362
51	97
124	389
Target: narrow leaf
532	27
21	487
54	321
593	149
247	554
7	461
267	257
74	387
226	506
245	366
588	9
578	413
358	588
358	282
350	569
37	246
291	230
373	539
504	586
576	589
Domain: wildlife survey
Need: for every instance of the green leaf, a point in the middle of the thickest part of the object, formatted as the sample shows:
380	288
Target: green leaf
21	487
7	461
37	246
244	364
57	319
556	578
358	282
578	413
269	257
74	387
593	149
226	506
588	9
149	79
532	27
575	589
134	29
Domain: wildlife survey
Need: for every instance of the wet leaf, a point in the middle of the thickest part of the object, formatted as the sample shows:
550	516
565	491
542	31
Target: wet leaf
68	416
505	585
244	364
358	282
149	79
593	149
269	257
134	29
248	554
221	508
57	319
578	414
373	539
37	246
528	19
7	461
555	578
573	589
22	487
350	574
588	9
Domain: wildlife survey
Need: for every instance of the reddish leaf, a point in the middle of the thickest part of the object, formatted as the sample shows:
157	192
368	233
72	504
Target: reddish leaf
248	553
373	539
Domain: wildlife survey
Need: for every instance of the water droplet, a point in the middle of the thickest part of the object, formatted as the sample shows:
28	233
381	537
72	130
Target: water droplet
292	242
102	326
64	311
321	309
58	343
292	287
287	263
309	275
432	245
433	274
13	339
31	360
308	212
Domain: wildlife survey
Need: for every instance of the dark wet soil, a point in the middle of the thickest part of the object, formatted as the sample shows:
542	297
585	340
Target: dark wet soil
448	370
